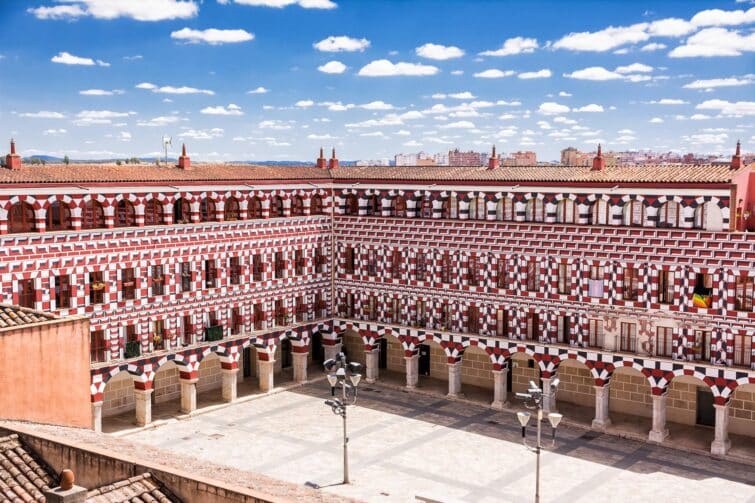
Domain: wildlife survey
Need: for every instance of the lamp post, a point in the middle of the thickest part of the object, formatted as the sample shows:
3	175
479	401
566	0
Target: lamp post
533	399
347	374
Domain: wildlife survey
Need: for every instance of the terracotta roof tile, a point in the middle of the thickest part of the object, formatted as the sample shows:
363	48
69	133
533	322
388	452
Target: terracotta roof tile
22	477
139	489
16	316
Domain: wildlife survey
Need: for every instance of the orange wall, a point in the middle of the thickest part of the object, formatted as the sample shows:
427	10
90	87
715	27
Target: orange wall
44	373
746	191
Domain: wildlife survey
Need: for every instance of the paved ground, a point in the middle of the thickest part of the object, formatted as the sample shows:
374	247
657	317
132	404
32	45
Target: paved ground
410	447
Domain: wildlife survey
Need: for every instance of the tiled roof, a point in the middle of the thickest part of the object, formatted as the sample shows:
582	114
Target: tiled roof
92	173
666	173
22	478
140	489
15	316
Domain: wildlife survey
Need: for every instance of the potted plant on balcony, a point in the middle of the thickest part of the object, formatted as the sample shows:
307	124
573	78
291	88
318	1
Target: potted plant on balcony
132	349
97	286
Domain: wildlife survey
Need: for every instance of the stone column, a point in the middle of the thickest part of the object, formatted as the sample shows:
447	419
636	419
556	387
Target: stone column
266	368
331	351
142	397
189	395
372	371
300	367
602	419
500	383
549	396
659	432
454	379
412	371
230	384
721	443
97	417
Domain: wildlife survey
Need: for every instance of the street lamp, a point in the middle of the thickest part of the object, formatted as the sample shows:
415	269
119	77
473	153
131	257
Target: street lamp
533	399
347	375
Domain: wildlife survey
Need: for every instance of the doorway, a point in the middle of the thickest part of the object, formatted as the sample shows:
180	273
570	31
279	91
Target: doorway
285	353
247	363
383	355
706	413
318	353
424	360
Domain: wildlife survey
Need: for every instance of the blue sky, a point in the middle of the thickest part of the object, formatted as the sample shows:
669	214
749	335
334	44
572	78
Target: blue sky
275	79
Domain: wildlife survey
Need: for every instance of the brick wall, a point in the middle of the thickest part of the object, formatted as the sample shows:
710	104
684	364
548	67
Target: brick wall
630	394
210	376
742	410
119	395
521	375
167	386
476	368
576	384
681	401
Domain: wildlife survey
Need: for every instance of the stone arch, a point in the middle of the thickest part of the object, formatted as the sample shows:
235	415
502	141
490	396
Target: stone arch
630	391
117	393
577	382
165	382
21	217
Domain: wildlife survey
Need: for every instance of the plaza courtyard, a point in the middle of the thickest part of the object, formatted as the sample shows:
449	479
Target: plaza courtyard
415	447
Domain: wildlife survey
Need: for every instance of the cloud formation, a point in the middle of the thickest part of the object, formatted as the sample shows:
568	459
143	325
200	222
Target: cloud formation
342	43
385	68
212	36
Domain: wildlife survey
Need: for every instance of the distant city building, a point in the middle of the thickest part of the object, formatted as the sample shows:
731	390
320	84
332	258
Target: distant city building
570	156
458	158
373	162
527	158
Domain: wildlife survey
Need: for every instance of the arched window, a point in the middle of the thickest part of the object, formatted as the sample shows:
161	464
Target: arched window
58	217
297	207
399	207
534	212
153	212
255	208
92	216
181	211
276	207
372	205
232	209
207	210
668	216
600	212
634	213
21	218
315	205
482	208
352	205
446	208
566	211
124	214
473	208
426	207
708	216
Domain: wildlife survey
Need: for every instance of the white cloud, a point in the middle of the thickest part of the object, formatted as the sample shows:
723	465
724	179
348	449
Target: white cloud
202	134
603	40
221	110
412	143
139	10
212	36
634	68
670	27
656	120
493	73
621	51
402	132
279	4
544	125
258	90
54	132
439	52
724	82
653	46
385	68
458	125
699	117
124	136
512	46
718	17
564	94
626	131
332	67
707	138
564	120
464	95
172	89
342	44
540	74
715	42
304	103
457	72
145	85
274	124
337	106
66	58
592	107
135	57
377	105
100	92
42	114
91	117
669	101
737	109
325	136
551	108
594	73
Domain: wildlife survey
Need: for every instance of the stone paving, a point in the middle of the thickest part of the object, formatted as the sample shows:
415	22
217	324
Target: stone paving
411	447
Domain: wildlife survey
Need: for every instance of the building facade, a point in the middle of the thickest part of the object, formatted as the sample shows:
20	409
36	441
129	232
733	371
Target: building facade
633	285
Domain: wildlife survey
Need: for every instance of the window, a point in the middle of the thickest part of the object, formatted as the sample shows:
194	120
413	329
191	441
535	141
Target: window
281	318
502	323
185	269
600	212
399	206
153	212
128	284
297	206
665	287
631	283
473	319
566	211
634	213
259	317
702	294
21	218
533	329
446	317
505	210
62	292
396	264
181	211
210	273
426	207
349	260
315	205
299	265
256	267
280	264
207	210
421	313
124	214
664	341
701	346
668	216
352	205
58	217
320	306
232	211
158	335
96	288
421	266
158	280
628	337
373	205
26	293
473	208
502	273
133	344
744	292
255	208
532	275
372	308
595	333
276	207
595	283
534	211
563	329
235	321
445	267
234	266
188	328
372	262
92	215
742	350
473	270
300	312
564	280
320	261
98	346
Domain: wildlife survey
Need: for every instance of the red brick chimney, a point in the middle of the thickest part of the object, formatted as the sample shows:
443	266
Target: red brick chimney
184	162
321	162
333	163
598	163
493	161
13	160
736	159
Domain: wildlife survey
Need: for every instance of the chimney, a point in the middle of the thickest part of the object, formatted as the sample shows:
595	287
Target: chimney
333	163
736	159
13	160
66	492
493	161
321	162
184	162
598	163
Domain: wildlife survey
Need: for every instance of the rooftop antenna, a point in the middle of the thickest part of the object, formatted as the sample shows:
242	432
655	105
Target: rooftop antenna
166	142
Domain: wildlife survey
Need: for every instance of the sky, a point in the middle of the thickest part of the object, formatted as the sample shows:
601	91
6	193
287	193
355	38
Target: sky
277	79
